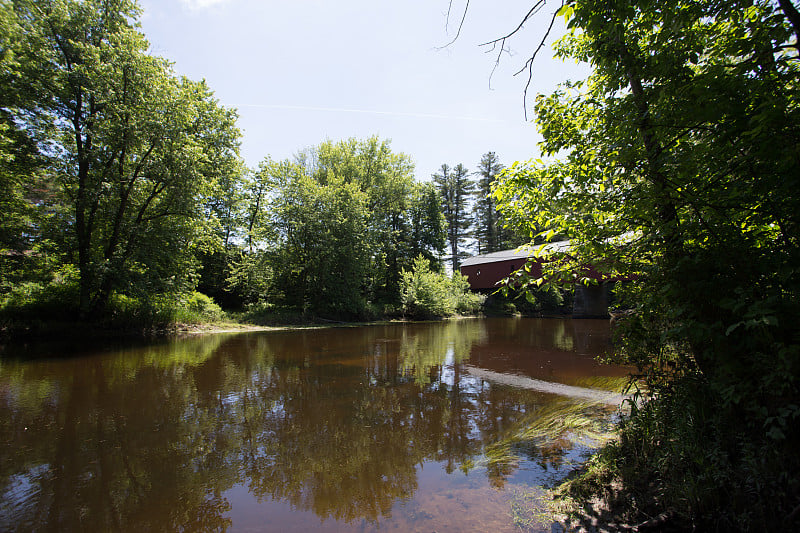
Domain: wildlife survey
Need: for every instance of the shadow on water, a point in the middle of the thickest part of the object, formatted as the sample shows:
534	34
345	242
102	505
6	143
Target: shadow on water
357	427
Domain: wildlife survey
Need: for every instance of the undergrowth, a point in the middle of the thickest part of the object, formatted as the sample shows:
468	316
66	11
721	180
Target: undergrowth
38	308
681	462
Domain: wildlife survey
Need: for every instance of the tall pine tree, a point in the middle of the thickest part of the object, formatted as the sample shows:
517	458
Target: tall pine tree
491	232
455	188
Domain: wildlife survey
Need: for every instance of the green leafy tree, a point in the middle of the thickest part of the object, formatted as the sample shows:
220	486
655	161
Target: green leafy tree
675	164
322	254
253	270
135	150
28	194
456	189
386	178
226	218
337	224
258	188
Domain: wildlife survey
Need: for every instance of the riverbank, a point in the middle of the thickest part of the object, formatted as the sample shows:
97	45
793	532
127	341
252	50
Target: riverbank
683	461
39	329
52	329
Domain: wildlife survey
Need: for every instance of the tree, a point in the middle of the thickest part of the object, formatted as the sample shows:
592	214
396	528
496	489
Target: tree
321	258
24	182
675	164
428	225
225	219
386	178
259	268
331	231
455	188
486	216
257	193
135	149
491	229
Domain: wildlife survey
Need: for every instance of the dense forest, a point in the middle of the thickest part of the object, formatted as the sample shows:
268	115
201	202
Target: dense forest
125	199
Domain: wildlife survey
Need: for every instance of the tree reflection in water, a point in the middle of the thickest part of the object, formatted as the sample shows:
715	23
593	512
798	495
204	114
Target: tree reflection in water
332	421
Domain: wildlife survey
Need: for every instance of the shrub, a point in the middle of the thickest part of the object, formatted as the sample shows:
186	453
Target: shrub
53	300
467	302
197	308
267	313
428	294
129	312
161	311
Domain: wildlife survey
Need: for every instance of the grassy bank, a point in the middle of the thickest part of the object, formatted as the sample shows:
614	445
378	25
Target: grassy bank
42	312
34	310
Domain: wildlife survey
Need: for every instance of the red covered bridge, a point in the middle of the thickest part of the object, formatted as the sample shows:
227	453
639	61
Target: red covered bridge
485	272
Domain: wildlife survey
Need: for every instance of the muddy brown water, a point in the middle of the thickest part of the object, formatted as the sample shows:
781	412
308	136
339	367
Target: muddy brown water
402	427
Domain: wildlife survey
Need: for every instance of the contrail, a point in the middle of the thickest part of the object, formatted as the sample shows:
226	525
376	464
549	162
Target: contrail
370	112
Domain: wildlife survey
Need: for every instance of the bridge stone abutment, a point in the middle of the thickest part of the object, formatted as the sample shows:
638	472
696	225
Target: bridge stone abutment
591	301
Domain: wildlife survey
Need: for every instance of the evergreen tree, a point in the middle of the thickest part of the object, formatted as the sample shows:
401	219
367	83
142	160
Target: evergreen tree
455	188
492	231
428	225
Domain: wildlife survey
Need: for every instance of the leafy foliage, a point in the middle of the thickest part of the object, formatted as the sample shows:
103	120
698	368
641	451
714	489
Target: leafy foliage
428	294
324	255
331	232
128	176
675	164
131	149
428	223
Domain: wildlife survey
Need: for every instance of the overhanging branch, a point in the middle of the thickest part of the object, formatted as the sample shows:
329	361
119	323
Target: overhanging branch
460	24
500	42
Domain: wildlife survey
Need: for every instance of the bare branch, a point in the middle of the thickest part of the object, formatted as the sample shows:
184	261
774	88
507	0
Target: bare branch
535	9
502	40
460	24
529	62
447	19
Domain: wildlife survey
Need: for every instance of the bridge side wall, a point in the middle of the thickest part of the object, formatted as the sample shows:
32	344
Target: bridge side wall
488	275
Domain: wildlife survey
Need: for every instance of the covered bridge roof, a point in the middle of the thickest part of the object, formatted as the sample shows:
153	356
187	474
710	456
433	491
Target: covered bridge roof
523	252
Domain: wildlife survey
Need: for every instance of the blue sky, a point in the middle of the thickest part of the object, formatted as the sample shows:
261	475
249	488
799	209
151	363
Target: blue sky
302	71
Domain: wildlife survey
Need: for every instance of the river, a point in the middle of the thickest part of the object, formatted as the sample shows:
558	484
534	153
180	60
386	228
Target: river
443	426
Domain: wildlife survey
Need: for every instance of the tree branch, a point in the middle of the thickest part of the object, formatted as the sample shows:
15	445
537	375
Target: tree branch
460	24
535	9
792	14
529	62
502	42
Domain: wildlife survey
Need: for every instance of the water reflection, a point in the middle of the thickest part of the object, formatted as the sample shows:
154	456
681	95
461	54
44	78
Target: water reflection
336	422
